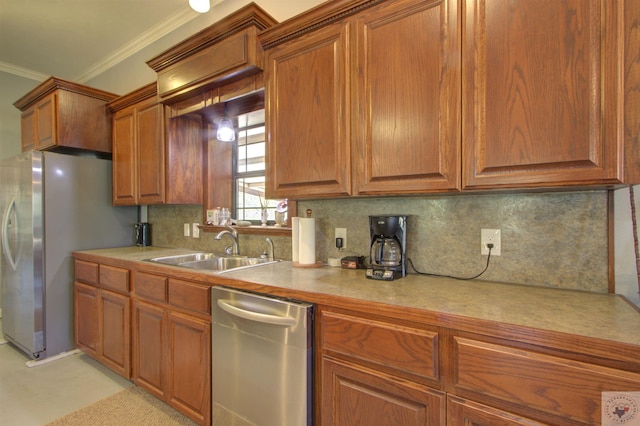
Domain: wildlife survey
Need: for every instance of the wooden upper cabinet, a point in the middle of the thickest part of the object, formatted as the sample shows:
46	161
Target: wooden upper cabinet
367	104
61	114
542	93
225	52
156	160
308	114
407	82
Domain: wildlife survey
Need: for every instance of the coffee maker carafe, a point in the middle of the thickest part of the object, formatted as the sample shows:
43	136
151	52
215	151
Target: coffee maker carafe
387	252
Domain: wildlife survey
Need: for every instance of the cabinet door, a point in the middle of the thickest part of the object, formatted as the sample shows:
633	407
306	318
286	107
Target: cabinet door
115	312
190	366
185	158
467	413
124	158
149	348
356	396
308	113
86	318
461	412
150	132
28	128
408	91
46	122
541	93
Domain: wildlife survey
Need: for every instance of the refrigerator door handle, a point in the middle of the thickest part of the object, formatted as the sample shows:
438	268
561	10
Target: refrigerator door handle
6	248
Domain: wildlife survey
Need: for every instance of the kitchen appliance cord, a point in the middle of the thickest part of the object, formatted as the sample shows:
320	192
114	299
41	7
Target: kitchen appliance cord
451	276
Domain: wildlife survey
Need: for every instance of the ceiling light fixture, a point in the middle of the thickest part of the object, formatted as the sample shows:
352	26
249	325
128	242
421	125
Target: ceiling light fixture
200	6
226	131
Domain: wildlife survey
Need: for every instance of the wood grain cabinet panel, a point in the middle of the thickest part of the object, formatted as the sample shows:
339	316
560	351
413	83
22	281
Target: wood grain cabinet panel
401	348
102	317
150	137
352	395
156	159
150	286
114	278
189	369
86	271
535	383
407	103
222	53
62	114
308	114
542	93
185	294
115	331
86	323
367	105
172	349
461	412
149	348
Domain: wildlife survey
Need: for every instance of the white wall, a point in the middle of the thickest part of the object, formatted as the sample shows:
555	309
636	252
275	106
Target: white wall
12	88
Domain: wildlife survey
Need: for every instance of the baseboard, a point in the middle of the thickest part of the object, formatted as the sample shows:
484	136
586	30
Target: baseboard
36	362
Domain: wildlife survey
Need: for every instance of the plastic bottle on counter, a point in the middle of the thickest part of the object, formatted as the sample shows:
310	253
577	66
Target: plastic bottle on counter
225	216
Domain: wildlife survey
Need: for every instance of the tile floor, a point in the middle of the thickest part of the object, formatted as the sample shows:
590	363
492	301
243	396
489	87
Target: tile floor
37	395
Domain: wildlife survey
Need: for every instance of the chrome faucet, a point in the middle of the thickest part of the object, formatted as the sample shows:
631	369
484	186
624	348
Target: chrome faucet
270	246
231	232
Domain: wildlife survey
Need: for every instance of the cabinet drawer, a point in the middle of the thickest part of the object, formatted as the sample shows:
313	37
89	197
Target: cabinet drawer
86	271
189	295
401	348
114	278
557	386
150	286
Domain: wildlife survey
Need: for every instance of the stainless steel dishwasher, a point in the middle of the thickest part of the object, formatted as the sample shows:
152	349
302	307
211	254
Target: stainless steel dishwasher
261	352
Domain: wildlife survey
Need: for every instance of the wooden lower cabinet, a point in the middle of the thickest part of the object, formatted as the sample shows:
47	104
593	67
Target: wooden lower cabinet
149	341
461	412
86	322
189	369
353	395
115	330
172	358
102	326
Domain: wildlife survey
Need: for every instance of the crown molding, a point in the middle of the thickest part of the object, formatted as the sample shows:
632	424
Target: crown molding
22	72
143	40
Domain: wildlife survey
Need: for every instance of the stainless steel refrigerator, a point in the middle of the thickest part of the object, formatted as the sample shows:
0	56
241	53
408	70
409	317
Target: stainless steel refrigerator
51	205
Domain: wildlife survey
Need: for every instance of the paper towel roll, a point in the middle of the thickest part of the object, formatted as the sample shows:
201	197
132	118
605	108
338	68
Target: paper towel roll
295	239
307	244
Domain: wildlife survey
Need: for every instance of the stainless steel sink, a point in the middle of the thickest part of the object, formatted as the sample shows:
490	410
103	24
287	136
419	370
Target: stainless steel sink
224	263
210	261
183	258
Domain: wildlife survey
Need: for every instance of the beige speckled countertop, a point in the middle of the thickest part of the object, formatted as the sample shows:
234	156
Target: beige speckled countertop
601	316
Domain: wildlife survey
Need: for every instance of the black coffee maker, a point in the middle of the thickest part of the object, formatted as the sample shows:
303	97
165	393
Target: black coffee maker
387	260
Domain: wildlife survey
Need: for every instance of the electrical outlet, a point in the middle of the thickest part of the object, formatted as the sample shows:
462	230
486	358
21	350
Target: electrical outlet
187	230
342	233
490	236
196	230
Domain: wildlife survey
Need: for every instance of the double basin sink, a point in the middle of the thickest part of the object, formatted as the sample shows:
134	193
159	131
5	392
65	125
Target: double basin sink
211	261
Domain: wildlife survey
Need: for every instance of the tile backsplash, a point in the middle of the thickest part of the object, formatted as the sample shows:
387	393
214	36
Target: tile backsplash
556	239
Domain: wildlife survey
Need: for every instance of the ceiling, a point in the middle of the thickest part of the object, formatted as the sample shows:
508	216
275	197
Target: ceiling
78	39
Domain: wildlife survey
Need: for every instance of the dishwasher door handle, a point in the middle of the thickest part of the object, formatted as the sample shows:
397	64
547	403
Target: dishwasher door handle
255	316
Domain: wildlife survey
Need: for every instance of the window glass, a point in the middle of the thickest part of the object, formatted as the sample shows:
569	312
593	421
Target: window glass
249	170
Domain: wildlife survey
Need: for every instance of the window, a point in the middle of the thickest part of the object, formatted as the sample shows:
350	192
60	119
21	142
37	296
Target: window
249	170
